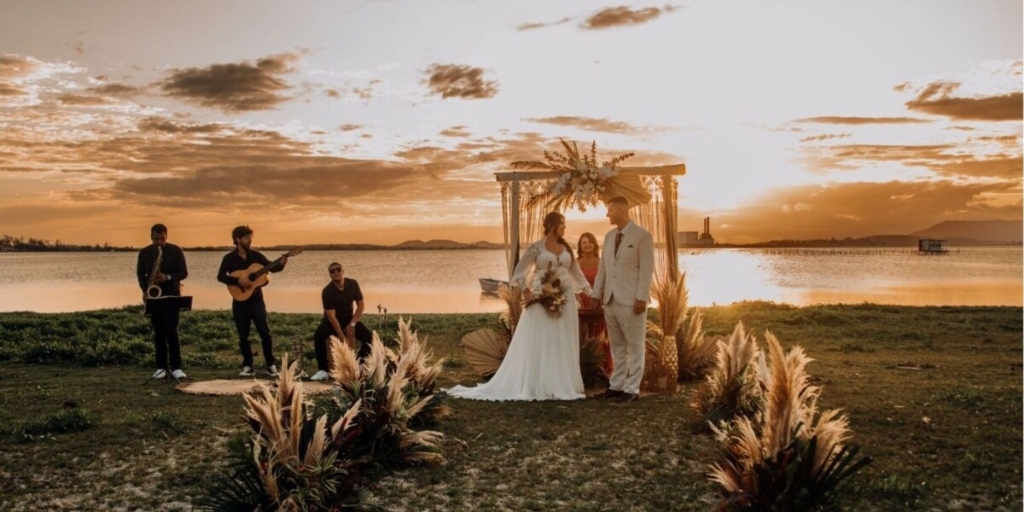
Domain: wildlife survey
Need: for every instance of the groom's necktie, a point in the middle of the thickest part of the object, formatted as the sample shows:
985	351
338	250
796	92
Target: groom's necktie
618	240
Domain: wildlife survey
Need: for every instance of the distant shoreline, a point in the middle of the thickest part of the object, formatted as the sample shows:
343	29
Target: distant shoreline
409	245
494	247
872	242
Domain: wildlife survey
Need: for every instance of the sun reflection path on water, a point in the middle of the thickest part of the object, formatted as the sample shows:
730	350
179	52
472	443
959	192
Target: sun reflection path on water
725	277
805	277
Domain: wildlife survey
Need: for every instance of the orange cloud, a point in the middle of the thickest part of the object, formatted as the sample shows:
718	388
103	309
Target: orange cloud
1002	167
860	120
621	16
534	26
163	125
79	100
233	87
455	131
948	160
172	166
459	81
116	90
13	68
588	123
937	99
825	136
364	93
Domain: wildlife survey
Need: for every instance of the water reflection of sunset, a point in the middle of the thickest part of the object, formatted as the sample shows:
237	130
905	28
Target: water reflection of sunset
58	298
395	279
894	276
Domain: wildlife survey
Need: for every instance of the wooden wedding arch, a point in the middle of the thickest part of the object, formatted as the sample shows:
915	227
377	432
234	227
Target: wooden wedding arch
522	218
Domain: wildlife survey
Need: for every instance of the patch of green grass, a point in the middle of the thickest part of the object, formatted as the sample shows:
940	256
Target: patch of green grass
61	422
168	422
455	362
854	347
961	397
933	395
893	489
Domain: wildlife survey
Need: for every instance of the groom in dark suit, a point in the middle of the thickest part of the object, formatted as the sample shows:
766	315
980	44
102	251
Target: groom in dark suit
623	286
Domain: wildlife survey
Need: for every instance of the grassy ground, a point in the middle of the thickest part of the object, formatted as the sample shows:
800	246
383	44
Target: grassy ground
933	394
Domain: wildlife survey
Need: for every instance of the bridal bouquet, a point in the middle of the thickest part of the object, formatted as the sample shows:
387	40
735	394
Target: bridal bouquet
549	290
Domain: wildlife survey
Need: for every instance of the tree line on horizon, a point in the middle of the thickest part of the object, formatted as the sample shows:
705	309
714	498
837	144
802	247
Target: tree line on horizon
9	243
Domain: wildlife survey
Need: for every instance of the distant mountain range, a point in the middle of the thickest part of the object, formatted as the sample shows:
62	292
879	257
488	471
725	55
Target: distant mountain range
954	232
445	244
991	231
408	245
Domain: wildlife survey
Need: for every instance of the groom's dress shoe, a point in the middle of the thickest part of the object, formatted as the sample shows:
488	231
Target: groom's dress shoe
629	397
610	393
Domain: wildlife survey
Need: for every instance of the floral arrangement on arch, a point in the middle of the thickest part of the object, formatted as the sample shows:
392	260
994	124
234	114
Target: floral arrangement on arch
583	181
550	290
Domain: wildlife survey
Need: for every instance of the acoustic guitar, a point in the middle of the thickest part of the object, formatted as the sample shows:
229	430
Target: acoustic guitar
258	275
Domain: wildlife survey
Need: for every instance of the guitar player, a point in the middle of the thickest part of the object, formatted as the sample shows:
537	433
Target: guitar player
252	310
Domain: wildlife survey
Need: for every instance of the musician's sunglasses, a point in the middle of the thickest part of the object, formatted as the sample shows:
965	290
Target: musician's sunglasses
334	270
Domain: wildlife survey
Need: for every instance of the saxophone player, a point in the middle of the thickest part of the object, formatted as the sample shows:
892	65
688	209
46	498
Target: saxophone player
161	269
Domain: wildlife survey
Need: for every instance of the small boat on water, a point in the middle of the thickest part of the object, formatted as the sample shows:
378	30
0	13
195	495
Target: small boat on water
488	285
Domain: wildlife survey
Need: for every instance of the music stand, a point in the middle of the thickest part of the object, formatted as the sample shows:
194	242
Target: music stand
161	304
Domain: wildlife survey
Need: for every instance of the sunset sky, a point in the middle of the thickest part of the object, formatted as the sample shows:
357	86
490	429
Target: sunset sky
383	121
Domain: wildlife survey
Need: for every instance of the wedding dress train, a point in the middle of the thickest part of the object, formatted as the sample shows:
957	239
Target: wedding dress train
543	358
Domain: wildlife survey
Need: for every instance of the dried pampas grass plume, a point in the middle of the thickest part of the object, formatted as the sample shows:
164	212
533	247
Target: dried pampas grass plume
344	363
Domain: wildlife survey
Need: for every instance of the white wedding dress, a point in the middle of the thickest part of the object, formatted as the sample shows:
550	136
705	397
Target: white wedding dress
543	358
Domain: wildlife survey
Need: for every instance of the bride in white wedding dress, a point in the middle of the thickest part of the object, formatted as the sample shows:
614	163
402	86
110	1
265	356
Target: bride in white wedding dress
543	358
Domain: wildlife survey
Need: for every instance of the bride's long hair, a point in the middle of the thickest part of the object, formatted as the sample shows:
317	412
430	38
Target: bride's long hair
551	223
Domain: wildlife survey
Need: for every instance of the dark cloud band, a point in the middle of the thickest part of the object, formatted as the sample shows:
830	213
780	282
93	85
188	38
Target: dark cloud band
235	87
459	81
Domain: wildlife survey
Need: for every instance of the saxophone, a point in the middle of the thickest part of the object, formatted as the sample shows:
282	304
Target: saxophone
154	290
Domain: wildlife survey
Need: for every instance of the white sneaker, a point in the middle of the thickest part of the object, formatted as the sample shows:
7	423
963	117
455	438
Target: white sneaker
247	372
160	374
178	374
320	376
272	370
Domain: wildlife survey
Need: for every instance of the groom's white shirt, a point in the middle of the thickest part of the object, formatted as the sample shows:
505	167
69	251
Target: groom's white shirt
625	277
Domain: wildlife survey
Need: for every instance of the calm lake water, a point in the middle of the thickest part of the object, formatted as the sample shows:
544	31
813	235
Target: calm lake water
446	281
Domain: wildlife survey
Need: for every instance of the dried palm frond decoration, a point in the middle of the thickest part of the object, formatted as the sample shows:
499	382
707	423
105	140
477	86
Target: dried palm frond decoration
485	350
655	377
513	297
592	361
583	182
787	457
